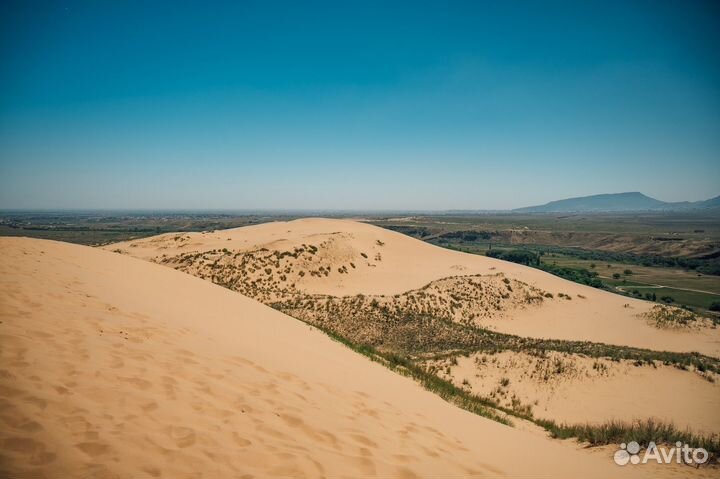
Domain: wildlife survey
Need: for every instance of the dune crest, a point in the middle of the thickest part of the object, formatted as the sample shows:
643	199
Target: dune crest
340	258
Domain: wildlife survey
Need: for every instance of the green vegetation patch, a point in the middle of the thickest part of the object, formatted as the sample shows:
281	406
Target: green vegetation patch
643	432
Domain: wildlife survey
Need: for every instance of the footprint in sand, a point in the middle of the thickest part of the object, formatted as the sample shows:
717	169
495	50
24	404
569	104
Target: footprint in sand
76	424
149	406
26	446
182	436
93	448
22	445
405	473
365	464
139	383
21	423
241	441
364	440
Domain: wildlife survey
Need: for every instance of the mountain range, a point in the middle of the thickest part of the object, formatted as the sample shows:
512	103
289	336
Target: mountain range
618	202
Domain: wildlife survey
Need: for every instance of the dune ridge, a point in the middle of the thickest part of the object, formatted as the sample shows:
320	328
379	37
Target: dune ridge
347	258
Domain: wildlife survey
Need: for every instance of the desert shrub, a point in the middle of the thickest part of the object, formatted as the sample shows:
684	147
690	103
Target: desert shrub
643	432
670	317
600	367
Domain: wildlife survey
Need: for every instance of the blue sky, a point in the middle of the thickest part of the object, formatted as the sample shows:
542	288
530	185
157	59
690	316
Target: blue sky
355	105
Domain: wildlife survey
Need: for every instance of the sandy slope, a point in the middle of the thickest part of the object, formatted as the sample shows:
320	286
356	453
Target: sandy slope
591	390
115	367
394	263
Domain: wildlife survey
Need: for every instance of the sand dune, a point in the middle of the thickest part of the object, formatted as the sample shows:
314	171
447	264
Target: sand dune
382	262
376	287
115	367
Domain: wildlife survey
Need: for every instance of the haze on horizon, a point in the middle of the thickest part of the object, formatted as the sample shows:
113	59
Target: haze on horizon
360	105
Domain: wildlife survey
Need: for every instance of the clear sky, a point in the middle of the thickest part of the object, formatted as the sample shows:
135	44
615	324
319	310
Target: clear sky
355	105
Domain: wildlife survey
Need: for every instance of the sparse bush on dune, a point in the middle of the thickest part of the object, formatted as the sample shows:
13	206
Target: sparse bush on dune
672	317
394	329
643	432
601	367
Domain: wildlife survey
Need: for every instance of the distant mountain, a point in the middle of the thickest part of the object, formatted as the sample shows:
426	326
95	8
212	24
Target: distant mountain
711	203
617	202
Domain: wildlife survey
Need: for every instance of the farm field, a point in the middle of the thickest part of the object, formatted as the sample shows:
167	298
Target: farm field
684	287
